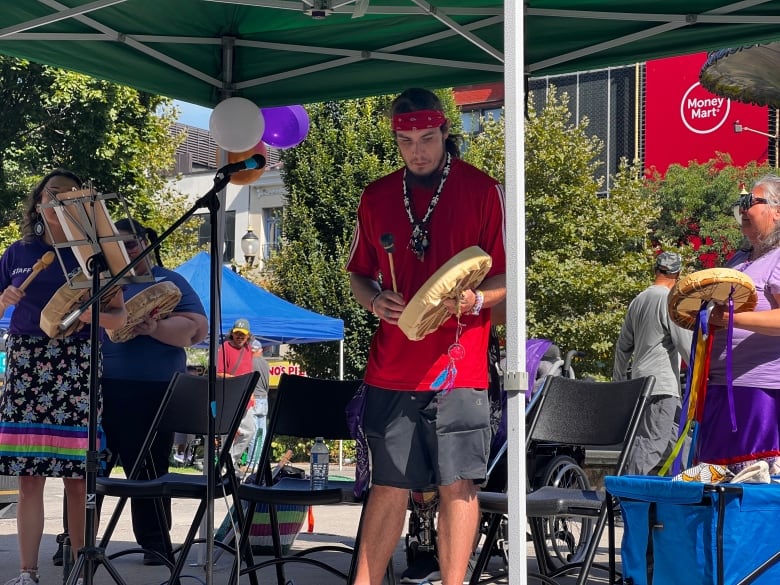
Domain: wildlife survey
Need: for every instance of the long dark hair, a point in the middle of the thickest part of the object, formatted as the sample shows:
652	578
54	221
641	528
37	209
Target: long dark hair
31	214
415	99
145	233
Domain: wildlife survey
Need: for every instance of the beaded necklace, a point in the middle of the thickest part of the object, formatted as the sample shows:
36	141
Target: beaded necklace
420	241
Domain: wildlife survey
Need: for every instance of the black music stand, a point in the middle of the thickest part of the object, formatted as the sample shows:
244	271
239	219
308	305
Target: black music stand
91	554
85	221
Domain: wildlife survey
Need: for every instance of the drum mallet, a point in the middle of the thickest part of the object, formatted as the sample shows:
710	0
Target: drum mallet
388	243
42	263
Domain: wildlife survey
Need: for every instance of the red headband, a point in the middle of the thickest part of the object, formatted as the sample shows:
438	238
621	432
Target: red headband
420	120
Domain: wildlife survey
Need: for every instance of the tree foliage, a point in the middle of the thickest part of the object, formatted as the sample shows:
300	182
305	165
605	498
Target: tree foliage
696	207
112	135
587	254
349	145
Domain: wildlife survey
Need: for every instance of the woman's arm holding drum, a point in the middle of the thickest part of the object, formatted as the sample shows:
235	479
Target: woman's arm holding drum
763	322
112	314
178	329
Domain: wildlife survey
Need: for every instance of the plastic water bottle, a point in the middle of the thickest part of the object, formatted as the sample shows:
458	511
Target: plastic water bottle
320	458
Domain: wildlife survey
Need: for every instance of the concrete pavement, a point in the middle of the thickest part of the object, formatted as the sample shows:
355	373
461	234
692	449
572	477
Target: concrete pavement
332	524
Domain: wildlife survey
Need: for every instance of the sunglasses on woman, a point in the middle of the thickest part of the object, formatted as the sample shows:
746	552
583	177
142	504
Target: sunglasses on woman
744	203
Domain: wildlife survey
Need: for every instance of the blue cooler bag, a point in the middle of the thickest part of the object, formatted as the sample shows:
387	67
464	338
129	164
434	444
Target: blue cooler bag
690	533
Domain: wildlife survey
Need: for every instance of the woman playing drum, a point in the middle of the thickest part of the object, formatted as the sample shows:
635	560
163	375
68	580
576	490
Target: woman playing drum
45	401
136	374
750	429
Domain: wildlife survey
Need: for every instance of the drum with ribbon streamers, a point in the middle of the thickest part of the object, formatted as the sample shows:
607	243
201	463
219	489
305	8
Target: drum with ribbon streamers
157	301
426	312
714	284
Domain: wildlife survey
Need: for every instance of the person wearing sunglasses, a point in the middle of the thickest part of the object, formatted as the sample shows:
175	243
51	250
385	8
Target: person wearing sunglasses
136	375
741	425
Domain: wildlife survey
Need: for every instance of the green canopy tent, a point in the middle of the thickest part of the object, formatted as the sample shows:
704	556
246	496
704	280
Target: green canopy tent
278	52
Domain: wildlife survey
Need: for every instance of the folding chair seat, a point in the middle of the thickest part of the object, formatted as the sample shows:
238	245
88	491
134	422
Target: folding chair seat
185	409
305	408
571	412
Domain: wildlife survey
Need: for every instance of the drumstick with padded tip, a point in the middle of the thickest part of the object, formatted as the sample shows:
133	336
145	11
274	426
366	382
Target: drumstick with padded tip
388	243
42	263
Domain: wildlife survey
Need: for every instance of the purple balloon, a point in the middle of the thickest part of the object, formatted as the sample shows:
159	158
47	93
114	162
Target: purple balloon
285	126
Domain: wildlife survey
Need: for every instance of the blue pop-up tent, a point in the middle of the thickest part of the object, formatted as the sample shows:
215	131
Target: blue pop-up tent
271	319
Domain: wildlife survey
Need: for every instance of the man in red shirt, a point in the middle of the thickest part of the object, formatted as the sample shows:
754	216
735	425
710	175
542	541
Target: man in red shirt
419	434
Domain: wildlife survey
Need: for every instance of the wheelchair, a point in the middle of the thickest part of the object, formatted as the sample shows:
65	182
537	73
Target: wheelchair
546	464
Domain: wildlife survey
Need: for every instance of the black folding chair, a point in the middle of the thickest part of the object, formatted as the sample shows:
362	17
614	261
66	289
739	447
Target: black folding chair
185	409
304	408
571	412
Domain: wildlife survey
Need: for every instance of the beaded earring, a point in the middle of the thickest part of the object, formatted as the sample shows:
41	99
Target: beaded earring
38	226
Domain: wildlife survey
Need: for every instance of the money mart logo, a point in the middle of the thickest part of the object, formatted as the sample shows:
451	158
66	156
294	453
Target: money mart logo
703	112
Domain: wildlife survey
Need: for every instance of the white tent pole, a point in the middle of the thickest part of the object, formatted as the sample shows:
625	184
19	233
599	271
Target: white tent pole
341	377
341	359
515	377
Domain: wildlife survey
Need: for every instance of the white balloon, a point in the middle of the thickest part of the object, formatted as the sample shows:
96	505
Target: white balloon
236	124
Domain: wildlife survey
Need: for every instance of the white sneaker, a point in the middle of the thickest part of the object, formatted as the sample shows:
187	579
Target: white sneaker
24	578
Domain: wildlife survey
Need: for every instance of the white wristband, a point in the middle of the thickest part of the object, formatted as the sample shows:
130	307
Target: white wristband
480	298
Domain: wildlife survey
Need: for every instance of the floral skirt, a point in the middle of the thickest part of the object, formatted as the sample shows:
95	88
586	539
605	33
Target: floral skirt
44	407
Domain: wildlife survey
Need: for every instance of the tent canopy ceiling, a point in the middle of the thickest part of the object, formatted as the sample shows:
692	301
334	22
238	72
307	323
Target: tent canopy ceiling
273	53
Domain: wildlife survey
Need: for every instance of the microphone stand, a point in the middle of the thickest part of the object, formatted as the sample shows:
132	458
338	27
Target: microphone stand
93	554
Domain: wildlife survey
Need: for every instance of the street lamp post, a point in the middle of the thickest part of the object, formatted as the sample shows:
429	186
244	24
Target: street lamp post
739	128
250	246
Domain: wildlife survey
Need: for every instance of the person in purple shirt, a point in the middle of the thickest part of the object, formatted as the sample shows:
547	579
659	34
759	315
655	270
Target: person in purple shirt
742	425
44	406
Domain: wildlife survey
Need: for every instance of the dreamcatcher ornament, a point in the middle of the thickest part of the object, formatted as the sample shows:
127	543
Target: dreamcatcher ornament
445	381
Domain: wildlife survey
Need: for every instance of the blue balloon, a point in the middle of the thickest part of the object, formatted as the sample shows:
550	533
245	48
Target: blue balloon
285	126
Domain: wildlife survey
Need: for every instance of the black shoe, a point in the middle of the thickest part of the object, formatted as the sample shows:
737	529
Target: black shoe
58	556
56	560
423	569
153	560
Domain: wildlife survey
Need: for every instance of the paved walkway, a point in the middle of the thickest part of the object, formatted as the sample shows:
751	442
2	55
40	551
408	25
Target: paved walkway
332	524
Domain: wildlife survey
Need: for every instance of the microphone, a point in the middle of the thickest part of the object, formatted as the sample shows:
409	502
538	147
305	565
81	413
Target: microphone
256	161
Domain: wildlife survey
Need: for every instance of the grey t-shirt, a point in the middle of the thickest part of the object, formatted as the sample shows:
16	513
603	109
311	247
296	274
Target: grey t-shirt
651	342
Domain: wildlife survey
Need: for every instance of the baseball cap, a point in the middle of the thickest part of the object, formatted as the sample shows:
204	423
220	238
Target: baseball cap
668	262
242	326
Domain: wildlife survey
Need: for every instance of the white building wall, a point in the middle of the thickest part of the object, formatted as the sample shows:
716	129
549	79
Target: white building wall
249	202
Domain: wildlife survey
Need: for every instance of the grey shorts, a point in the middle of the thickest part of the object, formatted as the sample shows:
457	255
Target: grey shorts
424	439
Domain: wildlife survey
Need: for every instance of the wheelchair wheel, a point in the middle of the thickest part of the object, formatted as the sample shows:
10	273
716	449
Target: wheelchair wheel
566	536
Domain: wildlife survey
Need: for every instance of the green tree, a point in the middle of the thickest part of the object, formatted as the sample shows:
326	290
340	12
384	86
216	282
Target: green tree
696	207
349	145
112	135
587	255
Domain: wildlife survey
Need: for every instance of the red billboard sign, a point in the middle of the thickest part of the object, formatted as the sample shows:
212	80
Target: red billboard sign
684	122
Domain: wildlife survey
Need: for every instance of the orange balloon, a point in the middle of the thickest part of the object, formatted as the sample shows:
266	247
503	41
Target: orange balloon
248	176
